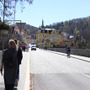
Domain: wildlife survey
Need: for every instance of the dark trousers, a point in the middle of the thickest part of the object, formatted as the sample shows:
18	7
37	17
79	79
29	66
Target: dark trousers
17	73
68	51
9	86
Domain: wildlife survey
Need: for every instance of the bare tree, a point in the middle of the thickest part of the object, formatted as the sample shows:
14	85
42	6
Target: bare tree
7	8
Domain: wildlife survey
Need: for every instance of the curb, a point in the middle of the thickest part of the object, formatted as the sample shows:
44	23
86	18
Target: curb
83	58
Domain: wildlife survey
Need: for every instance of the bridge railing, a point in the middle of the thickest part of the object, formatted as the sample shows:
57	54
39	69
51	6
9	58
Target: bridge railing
82	52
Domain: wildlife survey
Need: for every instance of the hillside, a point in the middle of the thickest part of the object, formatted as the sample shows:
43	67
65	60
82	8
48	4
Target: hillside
31	28
80	26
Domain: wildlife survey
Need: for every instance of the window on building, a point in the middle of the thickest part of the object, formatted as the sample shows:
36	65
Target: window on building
58	38
39	31
47	36
50	31
54	31
39	37
45	31
43	36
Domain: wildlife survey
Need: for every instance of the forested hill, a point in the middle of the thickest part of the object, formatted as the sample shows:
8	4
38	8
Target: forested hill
74	26
31	28
79	26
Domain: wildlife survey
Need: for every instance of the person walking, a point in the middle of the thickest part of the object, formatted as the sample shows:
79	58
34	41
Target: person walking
10	64
24	48
19	57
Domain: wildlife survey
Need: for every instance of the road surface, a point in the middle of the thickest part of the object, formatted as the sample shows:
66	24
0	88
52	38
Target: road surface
52	71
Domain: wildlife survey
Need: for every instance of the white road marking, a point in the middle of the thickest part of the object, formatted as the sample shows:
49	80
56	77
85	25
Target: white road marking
85	75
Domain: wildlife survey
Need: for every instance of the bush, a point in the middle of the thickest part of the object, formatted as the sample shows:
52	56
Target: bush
3	26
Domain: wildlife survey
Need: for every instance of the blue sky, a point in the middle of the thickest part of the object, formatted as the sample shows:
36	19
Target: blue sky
52	11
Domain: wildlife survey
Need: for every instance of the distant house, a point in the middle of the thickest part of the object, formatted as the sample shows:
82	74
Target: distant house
67	39
48	36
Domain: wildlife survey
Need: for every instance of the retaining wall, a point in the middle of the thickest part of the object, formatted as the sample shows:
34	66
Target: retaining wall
82	52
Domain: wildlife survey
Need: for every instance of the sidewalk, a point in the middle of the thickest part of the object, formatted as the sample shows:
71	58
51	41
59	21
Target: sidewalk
1	83
83	58
24	81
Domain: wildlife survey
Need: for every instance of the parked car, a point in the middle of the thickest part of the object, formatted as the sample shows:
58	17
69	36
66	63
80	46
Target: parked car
33	47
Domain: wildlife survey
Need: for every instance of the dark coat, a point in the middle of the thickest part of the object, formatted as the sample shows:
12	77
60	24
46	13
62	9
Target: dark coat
10	73
19	55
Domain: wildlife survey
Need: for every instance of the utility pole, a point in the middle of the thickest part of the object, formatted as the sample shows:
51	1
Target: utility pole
4	11
14	12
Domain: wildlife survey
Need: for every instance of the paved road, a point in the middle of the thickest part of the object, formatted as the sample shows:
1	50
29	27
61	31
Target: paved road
53	71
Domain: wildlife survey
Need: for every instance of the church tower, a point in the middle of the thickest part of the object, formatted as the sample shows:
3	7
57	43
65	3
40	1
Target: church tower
42	24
